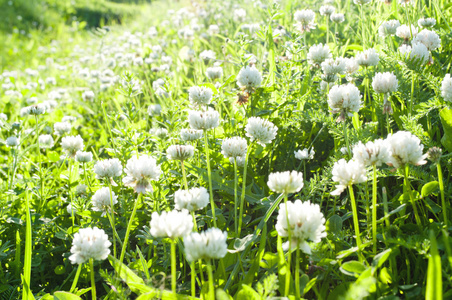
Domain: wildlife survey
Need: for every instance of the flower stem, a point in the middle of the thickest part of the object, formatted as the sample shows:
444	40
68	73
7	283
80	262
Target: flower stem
289	252
441	189
242	197
173	266
297	275
355	220
374	209
235	195
70	193
93	282
193	279
126	238
209	174
77	275
112	214
407	190
211	283
184	174
347	143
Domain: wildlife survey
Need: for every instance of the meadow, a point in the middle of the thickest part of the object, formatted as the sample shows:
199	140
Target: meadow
226	150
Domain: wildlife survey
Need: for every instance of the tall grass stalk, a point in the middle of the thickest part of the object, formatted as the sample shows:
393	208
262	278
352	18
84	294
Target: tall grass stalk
374	208
407	190
93	280
173	266
242	197
355	221
129	226
26	280
441	189
209	174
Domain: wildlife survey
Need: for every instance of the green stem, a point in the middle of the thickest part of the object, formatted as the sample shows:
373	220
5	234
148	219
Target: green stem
211	283
407	190
129	226
242	197
193	279
70	192
355	220
289	252
77	275
184	175
235	195
173	266
347	143
93	281
374	209
297	275
112	214
441	189
28	253
209	174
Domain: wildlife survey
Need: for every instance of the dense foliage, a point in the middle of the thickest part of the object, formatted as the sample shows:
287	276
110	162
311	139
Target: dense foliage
149	159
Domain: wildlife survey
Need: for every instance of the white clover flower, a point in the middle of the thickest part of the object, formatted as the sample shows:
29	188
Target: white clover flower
12	141
81	189
213	29
347	174
233	147
334	66
426	22
305	19
45	141
344	99
68	119
83	157
351	66
306	223
88	95
210	244
286	182
429	38
200	95
261	130
214	72
446	88
417	52
207	55
249	78
239	14
404	32
101	200
140	171
203	120
38	109
180	152
327	10
159	132
154	110
406	148
72	144
376	153
388	28
385	83
240	160
304	154
108	168
89	243
24	111
337	18
190	134
192	199
61	128
367	58
318	54
69	209
173	224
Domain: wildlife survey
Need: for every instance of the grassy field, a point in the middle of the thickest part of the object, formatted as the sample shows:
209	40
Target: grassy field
225	149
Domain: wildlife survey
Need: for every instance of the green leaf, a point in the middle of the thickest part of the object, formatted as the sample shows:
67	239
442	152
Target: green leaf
429	188
247	293
334	224
446	120
65	296
380	258
353	268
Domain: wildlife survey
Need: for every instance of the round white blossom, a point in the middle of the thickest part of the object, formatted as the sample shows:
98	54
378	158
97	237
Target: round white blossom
368	58
89	243
207	55
210	244
337	17
233	147
326	10
203	120
214	72
45	141
200	95
304	154
261	130
101	199
192	199
417	52
388	28
334	66
344	99
426	22
72	144
406	148
318	53
429	38
306	223
385	83
347	174
12	141
249	78
404	32
61	128
154	109
173	224
286	182
88	95
376	153
108	168
190	134
446	88
180	152
140	171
